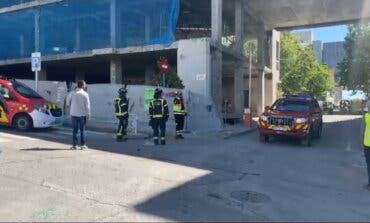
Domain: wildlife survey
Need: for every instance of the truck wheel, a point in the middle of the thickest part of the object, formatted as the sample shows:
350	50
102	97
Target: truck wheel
23	123
264	138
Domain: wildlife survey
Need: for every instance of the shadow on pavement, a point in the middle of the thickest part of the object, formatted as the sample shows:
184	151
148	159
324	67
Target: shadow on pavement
44	149
184	203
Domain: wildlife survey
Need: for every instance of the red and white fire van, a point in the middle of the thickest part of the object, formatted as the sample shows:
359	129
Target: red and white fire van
24	109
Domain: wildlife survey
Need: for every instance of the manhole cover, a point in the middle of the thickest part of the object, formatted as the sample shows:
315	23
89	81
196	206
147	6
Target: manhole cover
250	196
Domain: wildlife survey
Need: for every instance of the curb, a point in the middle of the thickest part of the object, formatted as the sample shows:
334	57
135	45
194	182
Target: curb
247	131
140	135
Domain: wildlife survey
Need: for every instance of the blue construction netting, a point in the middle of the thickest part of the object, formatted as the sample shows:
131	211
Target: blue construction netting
74	26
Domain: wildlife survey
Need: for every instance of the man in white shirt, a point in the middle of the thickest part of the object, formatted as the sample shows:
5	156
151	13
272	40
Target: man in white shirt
79	103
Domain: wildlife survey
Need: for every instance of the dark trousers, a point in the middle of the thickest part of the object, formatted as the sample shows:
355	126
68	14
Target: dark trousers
159	124
179	119
367	156
122	126
79	123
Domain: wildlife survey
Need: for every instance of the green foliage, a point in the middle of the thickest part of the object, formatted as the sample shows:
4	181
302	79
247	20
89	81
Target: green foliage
300	70
354	70
250	47
172	79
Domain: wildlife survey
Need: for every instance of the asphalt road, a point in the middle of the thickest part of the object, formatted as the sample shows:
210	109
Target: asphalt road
198	179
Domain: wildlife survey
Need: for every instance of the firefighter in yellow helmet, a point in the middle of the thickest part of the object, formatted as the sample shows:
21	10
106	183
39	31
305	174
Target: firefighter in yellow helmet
158	112
121	103
179	112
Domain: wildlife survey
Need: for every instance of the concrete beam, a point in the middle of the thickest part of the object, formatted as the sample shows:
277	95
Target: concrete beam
27	5
92	53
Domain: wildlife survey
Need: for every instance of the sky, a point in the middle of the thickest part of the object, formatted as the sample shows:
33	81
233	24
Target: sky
329	34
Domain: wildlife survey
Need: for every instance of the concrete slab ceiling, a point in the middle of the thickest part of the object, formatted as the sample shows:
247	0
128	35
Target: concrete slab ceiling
288	14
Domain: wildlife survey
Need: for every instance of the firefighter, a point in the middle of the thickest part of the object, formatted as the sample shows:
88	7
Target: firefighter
121	105
158	112
179	113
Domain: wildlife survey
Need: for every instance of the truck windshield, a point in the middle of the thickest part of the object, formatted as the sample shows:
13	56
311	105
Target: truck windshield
292	105
24	90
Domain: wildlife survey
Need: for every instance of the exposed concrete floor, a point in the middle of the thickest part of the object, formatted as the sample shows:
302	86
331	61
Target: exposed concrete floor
191	180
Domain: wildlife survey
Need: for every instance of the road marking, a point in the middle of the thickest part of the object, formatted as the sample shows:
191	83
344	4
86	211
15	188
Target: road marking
11	136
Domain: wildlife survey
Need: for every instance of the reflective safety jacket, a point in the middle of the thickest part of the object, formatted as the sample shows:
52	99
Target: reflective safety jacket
121	106
179	106
367	130
158	108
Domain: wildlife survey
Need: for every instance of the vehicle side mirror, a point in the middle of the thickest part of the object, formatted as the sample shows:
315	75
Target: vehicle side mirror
267	108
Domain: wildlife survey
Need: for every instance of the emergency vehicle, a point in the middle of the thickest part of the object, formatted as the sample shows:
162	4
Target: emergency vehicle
24	109
295	116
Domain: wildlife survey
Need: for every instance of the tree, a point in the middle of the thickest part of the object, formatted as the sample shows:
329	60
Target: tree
354	70
172	79
300	70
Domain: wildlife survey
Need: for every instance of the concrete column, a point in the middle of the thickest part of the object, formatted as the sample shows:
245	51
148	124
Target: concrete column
21	45
217	54
149	74
239	70
116	71
77	38
80	75
43	75
147	28
113	23
37	30
260	80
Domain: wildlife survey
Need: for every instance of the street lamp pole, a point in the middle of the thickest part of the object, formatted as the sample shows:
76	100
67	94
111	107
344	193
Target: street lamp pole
250	81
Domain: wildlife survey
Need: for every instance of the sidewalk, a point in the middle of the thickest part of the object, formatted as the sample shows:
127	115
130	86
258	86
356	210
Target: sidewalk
108	126
238	129
145	131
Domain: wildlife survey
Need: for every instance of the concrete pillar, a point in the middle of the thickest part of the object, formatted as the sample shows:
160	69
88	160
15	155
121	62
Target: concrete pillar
37	30
43	75
77	38
113	23
217	54
116	71
80	75
239	68
147	28
149	74
21	45
260	80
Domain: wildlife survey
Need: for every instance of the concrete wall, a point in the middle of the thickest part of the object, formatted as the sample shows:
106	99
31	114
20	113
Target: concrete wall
194	68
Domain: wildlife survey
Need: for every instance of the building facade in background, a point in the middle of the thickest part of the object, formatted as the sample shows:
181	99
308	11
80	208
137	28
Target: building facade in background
334	53
120	42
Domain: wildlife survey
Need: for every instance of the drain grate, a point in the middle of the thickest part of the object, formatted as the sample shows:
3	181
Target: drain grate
250	196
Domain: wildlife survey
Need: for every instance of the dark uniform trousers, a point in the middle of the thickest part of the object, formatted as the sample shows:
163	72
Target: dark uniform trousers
122	126
180	119
367	156
159	124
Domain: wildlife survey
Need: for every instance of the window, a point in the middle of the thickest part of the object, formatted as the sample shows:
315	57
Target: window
4	92
24	90
292	105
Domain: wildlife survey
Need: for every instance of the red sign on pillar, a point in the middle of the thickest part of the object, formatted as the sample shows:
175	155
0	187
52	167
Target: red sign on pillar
164	66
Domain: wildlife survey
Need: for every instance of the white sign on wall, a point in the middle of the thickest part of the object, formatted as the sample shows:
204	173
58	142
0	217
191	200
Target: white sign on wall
201	77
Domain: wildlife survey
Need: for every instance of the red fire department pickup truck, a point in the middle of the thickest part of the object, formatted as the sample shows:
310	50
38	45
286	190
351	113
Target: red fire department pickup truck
25	109
297	116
